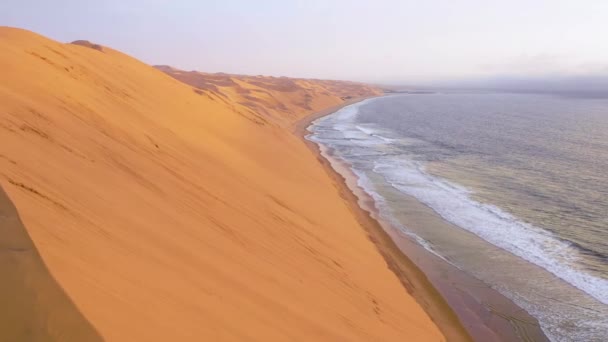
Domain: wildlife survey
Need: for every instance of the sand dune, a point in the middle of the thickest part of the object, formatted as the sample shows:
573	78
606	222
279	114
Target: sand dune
172	213
283	100
34	307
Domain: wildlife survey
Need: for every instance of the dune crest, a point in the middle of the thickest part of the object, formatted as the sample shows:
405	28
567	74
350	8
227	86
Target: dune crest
88	44
173	212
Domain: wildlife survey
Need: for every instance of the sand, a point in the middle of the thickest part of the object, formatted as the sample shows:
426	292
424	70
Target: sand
30	298
362	207
167	212
462	306
279	100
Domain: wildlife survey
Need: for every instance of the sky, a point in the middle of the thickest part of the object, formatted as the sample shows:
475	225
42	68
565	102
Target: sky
383	41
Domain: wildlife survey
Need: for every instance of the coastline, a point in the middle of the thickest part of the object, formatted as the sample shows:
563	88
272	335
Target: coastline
460	314
411	277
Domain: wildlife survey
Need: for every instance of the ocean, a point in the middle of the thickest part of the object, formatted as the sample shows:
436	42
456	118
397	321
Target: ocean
521	178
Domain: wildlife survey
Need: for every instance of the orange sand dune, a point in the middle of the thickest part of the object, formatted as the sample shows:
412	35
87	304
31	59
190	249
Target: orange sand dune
283	100
167	214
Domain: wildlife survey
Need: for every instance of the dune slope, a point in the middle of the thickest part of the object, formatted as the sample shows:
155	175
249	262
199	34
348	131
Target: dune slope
34	307
166	213
284	100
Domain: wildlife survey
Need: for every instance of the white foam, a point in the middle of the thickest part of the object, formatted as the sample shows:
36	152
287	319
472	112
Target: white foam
364	146
386	214
492	224
454	203
345	114
366	130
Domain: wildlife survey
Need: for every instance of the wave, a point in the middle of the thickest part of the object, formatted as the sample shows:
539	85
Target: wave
380	158
454	204
381	205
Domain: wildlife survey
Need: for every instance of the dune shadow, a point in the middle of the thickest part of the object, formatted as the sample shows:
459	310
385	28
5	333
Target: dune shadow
33	306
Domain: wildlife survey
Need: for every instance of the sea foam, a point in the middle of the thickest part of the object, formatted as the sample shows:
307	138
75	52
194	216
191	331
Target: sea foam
367	148
455	204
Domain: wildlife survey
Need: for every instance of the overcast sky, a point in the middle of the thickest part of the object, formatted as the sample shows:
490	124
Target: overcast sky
380	41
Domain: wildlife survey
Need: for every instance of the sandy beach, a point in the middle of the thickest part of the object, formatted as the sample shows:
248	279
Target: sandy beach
463	307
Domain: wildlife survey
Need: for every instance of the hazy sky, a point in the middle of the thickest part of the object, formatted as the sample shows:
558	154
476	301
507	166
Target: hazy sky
381	40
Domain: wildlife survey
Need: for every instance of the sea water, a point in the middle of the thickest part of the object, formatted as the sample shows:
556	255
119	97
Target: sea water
526	174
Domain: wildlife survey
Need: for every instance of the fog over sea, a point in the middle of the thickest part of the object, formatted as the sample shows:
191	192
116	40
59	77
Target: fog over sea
527	173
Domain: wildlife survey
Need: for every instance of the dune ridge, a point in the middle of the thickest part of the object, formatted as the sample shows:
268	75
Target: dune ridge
283	101
171	212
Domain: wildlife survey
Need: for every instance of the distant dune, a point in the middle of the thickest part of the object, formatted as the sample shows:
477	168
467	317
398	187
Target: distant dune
282	100
174	212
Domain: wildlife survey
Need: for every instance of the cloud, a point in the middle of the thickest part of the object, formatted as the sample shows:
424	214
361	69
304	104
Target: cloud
545	64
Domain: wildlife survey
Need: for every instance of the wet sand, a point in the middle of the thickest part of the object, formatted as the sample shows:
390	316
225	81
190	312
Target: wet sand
463	307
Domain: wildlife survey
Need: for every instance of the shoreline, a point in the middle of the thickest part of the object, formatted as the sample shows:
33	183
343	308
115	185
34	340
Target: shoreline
461	315
411	277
